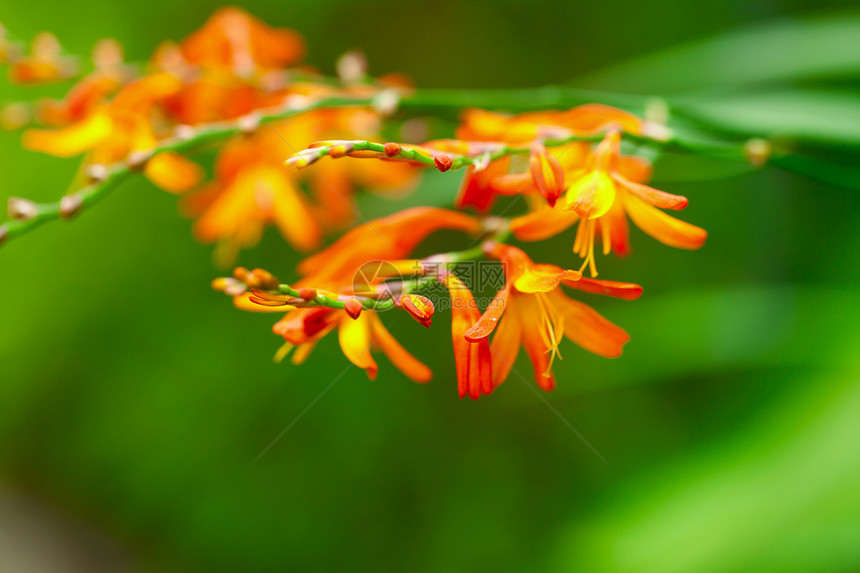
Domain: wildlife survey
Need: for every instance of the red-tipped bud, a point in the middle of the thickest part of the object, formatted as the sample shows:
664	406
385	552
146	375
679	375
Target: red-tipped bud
443	162
307	293
353	307
392	149
419	307
547	173
241	274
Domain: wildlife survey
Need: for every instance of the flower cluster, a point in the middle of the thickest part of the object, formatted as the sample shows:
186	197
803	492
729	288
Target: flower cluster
222	78
238	85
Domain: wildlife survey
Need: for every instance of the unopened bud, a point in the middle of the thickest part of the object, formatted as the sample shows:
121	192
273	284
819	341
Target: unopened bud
443	162
138	158
303	158
3	233
70	205
547	173
351	67
353	307
419	307
758	151
229	286
338	151
386	102
97	172
183	132
249	123
263	279
15	115
307	293
392	149
241	274
19	208
107	53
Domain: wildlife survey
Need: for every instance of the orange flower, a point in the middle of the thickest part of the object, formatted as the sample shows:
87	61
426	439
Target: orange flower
386	239
531	310
252	189
601	197
304	327
474	366
45	64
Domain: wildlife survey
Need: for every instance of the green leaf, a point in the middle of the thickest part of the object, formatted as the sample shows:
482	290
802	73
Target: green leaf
826	47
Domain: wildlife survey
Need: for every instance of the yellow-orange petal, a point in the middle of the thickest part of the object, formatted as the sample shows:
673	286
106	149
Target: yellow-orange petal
593	195
653	196
543	223
625	291
289	209
488	321
355	340
665	228
505	347
243	302
589	329
413	368
71	140
173	172
544	278
533	338
474	369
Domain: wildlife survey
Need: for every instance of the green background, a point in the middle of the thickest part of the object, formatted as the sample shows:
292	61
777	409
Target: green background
133	399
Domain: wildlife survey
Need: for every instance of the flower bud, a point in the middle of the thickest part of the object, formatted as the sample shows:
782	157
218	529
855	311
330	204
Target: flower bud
263	279
307	293
303	158
19	208
353	307
757	151
419	307
547	173
392	149
70	205
443	162
228	285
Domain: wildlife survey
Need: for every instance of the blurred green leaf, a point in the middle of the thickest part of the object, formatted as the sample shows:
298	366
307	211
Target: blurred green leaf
778	496
812	48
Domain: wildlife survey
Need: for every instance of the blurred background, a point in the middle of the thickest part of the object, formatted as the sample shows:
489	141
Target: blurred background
133	399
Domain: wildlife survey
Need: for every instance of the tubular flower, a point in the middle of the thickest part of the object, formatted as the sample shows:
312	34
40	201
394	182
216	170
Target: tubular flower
388	238
531	310
601	198
251	188
610	189
304	327
474	366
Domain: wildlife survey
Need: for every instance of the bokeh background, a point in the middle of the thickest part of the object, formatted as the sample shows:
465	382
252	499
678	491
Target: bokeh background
133	400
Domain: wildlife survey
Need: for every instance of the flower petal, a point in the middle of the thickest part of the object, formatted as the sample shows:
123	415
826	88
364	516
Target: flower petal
587	328
665	228
488	321
173	172
355	340
71	140
543	223
505	347
625	291
544	278
593	195
653	196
